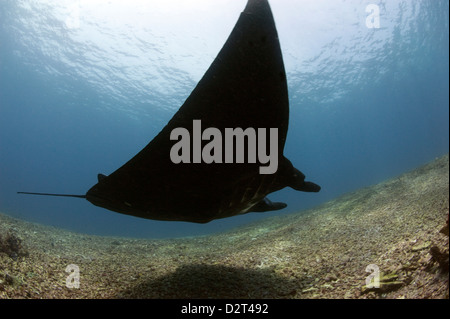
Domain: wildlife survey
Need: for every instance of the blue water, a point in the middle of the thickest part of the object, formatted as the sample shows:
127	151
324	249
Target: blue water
84	85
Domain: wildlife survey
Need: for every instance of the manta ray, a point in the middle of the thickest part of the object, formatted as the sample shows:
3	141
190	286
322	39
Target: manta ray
245	87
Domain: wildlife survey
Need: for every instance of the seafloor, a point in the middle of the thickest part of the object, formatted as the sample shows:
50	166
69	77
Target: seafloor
396	227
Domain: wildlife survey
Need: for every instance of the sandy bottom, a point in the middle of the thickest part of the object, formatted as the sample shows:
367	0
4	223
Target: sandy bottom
394	230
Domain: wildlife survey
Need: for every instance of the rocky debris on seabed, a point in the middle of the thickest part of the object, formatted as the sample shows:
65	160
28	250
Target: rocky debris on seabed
11	245
390	230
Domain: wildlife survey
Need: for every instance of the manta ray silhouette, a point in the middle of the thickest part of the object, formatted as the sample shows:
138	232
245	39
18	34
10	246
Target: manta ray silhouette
245	87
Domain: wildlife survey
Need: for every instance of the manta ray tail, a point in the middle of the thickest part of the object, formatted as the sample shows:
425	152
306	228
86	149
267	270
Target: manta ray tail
47	194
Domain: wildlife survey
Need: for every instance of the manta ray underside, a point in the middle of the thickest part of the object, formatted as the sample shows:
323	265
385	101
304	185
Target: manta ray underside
245	87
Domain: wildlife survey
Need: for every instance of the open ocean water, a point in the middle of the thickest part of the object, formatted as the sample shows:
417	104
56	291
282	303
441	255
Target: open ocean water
85	85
